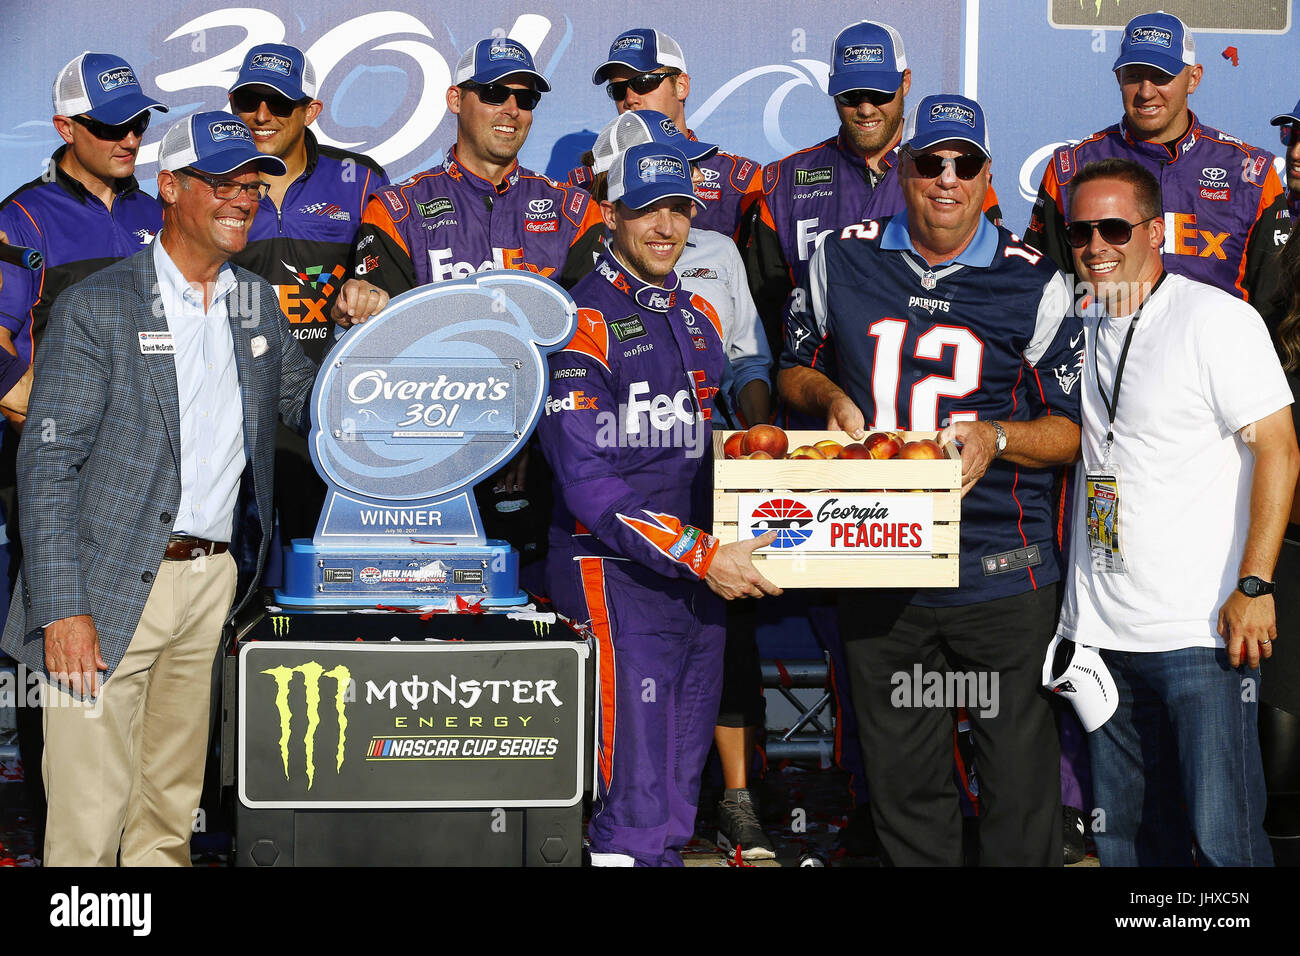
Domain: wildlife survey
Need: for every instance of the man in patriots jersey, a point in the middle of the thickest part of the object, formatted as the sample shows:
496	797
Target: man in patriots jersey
646	70
628	434
1219	193
935	318
844	179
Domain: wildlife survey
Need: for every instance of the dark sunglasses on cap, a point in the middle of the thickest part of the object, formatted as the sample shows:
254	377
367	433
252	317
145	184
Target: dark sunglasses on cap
641	85
1288	133
856	98
114	133
1114	232
496	94
248	100
929	166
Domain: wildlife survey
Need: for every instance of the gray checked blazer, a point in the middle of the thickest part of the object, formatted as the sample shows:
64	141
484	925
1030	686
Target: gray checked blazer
99	477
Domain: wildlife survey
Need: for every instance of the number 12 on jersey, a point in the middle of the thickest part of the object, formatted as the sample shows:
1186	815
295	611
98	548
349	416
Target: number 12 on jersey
923	402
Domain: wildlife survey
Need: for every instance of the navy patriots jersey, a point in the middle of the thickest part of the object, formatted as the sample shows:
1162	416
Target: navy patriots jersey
989	335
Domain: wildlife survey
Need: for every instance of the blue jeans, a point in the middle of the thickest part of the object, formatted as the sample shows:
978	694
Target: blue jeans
1179	763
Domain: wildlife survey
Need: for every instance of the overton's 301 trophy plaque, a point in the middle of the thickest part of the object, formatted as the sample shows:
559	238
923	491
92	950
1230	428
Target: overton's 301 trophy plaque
409	412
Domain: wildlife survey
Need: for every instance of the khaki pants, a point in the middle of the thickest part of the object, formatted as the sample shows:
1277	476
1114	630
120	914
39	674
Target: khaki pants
127	769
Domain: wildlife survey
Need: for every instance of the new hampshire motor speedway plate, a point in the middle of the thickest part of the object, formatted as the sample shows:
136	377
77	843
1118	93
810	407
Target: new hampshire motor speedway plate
330	725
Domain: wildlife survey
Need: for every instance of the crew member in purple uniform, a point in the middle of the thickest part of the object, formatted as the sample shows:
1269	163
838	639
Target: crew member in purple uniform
894	330
646	70
628	434
1219	193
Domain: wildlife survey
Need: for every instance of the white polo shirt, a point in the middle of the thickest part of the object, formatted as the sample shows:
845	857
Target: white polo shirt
1200	368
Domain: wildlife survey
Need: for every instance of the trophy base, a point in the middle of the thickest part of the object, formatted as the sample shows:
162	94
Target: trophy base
333	577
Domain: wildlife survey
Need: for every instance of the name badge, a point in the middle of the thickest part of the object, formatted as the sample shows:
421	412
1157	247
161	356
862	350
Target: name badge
1103	522
157	343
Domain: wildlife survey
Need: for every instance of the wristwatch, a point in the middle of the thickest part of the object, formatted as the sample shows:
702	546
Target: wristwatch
1002	439
1253	586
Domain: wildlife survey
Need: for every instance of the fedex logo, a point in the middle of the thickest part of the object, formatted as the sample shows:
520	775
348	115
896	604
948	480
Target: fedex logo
663	411
1182	238
807	236
575	401
443	267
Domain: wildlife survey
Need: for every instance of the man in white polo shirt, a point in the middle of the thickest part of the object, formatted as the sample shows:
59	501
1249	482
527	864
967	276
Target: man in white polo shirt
1189	465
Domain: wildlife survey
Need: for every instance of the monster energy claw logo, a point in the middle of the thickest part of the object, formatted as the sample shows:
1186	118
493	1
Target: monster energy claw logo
541	628
280	625
312	673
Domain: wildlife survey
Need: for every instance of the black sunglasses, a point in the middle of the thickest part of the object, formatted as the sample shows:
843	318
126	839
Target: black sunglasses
856	98
1114	232
1288	133
930	166
496	94
247	101
114	133
641	85
228	189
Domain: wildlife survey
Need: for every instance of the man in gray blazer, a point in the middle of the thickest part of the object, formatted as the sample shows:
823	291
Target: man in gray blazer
161	379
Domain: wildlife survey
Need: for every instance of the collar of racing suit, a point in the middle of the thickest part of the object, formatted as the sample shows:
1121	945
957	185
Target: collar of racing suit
652	297
886	162
74	187
1165	152
459	171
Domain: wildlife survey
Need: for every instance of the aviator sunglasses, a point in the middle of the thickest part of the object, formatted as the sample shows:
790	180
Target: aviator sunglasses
641	85
1114	232
856	98
929	166
114	133
496	94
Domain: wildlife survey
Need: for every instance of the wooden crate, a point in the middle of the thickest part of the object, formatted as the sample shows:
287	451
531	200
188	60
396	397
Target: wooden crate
939	480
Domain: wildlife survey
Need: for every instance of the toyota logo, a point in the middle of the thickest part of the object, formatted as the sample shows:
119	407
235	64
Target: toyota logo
1214	172
540	205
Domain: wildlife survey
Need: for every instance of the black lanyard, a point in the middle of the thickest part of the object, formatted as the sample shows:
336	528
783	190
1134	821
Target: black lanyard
1113	402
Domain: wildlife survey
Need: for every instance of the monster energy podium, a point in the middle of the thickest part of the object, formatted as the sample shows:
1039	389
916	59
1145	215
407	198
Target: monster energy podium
405	739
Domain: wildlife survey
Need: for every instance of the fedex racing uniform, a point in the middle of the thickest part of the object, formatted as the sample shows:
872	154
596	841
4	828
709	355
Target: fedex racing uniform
448	223
805	195
302	247
76	233
732	184
628	432
989	335
1218	193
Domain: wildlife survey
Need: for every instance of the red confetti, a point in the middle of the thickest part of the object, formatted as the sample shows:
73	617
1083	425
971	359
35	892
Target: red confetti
1231	54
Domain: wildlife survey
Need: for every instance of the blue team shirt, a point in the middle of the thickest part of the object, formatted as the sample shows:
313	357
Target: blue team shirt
989	335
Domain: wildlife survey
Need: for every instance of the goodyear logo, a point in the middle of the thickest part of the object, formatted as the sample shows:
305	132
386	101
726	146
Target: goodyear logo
863	53
1153	36
627	43
117	78
312	676
952	113
228	129
507	51
272	63
653	168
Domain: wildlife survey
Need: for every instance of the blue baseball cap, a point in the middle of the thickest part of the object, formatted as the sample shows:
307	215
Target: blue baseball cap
282	67
491	59
644	126
103	87
1283	119
946	116
866	56
1157	39
214	143
643	50
649	172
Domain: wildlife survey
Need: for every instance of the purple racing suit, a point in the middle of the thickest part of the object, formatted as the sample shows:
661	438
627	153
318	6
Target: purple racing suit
627	431
1219	196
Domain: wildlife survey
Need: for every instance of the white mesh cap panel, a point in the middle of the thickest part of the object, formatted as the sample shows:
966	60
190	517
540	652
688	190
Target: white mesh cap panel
464	67
1189	46
308	77
670	52
618	137
900	58
70	96
615	183
176	151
